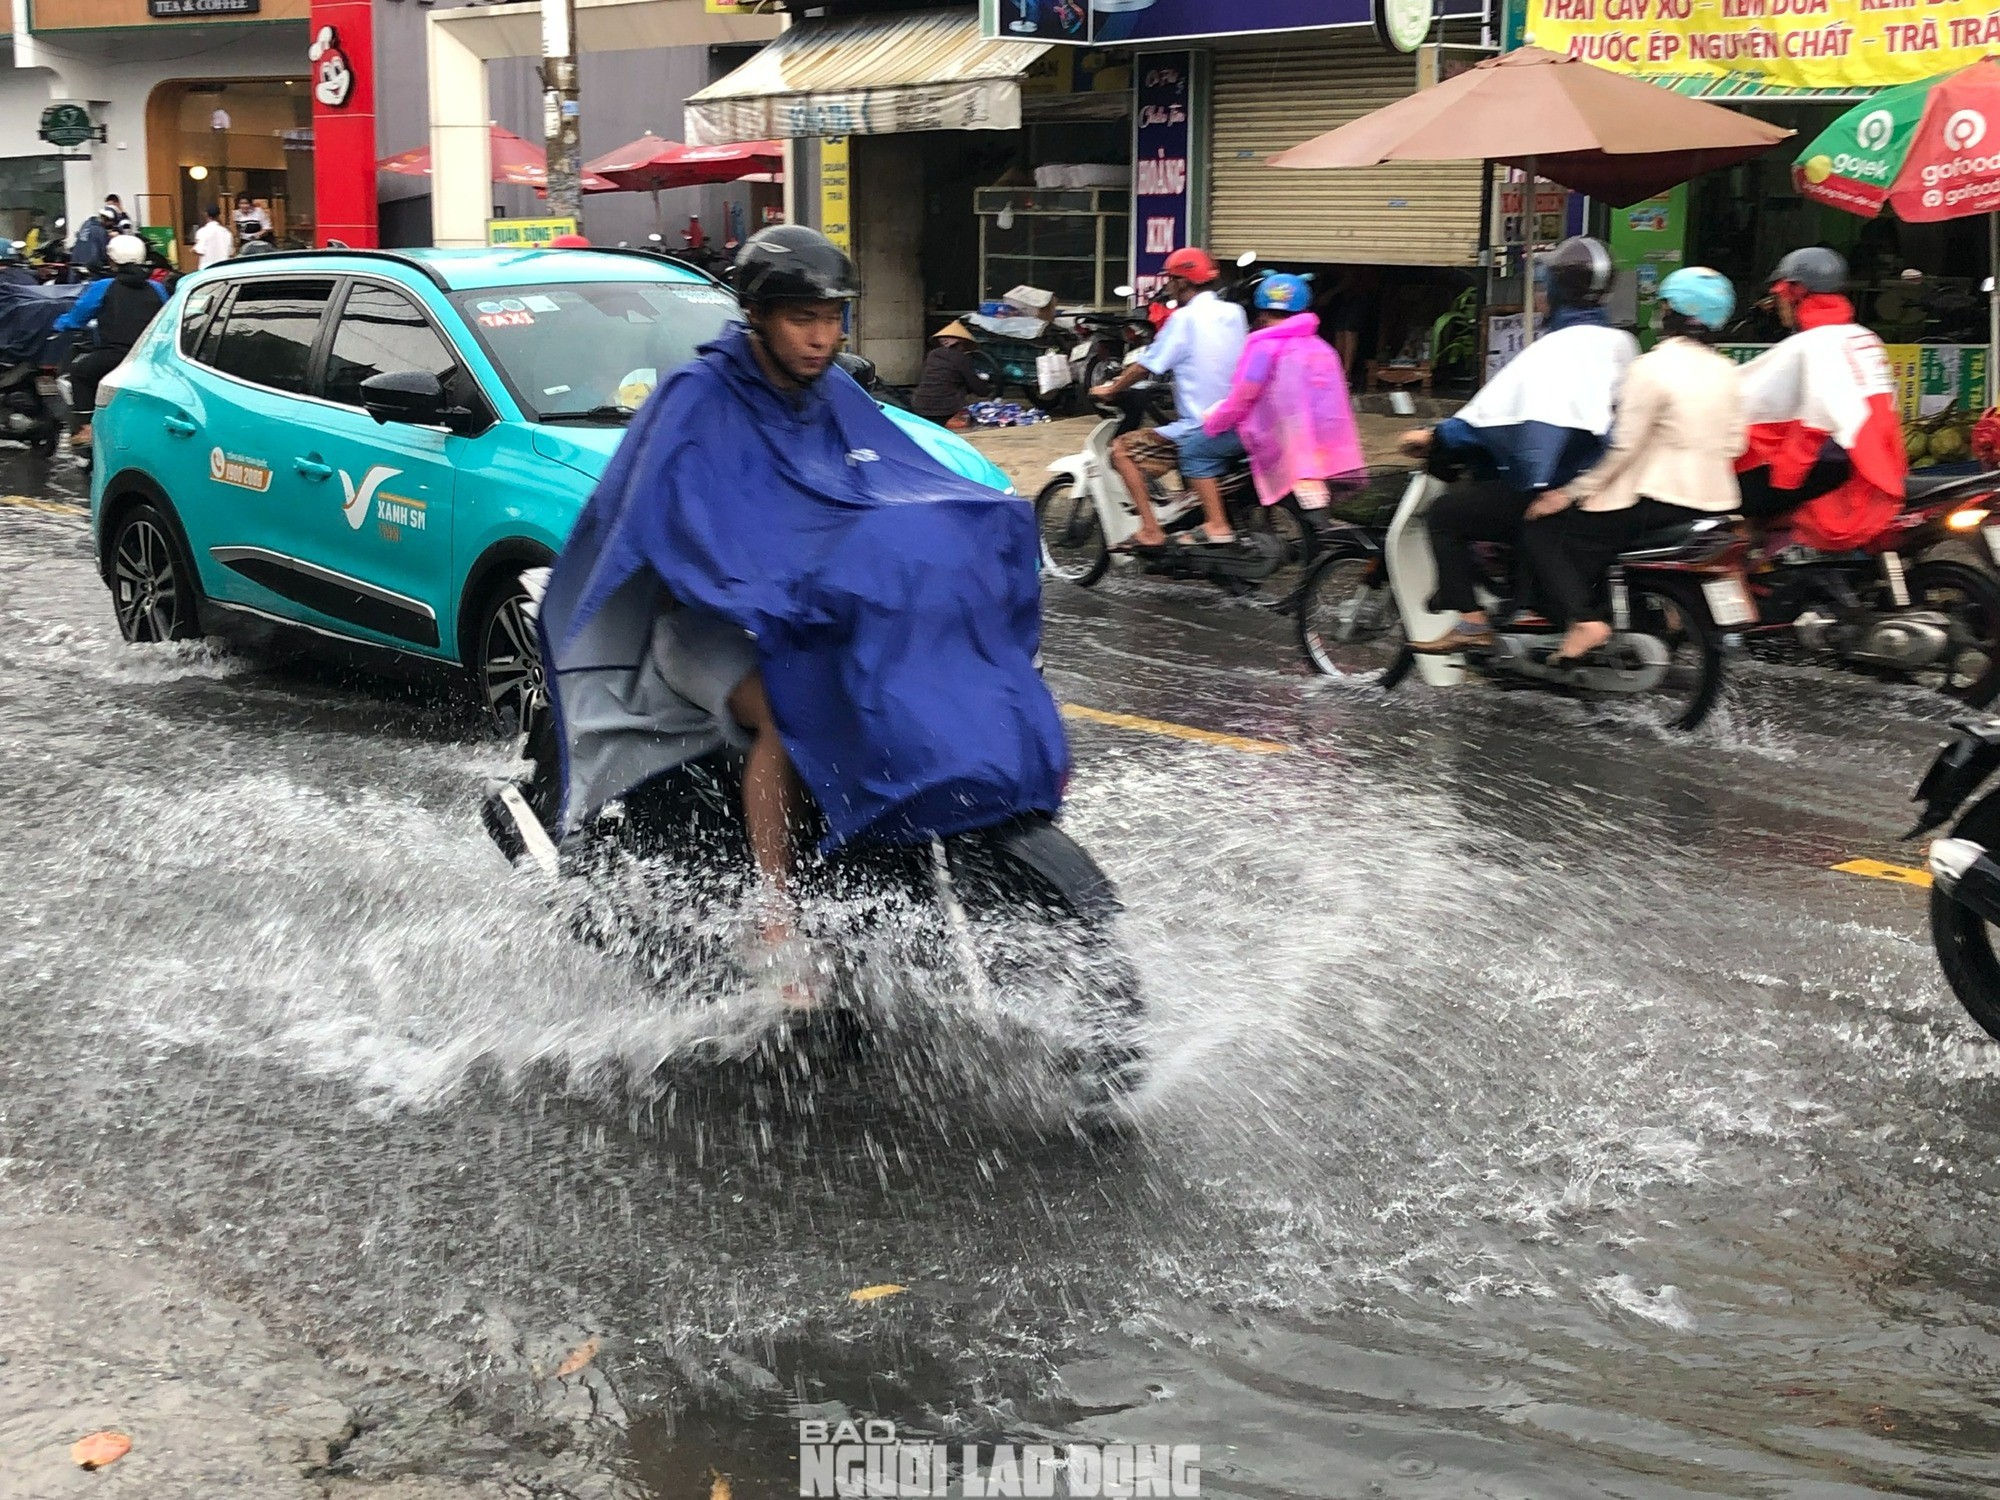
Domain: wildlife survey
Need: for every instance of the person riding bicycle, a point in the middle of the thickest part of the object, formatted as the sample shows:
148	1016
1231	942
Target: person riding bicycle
771	564
1826	443
1289	403
123	304
1533	427
1199	346
1672	456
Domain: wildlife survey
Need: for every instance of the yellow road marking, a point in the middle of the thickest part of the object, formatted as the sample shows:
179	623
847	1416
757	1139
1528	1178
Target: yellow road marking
1175	731
1875	869
53	507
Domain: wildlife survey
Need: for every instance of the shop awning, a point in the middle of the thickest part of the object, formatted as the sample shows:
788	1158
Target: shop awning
1724	87
868	75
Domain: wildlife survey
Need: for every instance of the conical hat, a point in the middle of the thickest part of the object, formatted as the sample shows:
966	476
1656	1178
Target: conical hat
955	330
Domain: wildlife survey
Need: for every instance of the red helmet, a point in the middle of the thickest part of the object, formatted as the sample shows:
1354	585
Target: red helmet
1195	265
570	242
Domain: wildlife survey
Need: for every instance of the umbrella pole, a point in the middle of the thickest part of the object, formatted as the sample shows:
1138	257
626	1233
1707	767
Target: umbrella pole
1530	204
1993	309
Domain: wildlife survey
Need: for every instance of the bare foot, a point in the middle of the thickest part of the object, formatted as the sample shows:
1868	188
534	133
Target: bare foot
1584	637
788	963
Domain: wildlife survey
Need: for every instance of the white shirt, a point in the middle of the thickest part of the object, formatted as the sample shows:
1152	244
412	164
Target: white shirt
1199	346
213	242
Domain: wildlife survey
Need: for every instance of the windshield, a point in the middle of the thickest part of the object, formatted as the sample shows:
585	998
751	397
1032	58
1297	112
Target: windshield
593	352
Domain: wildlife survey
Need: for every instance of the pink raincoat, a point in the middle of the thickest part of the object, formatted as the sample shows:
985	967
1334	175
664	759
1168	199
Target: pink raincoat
1289	405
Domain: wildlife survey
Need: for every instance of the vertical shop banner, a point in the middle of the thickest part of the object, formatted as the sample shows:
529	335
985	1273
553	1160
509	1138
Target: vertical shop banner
1162	145
836	203
1814	44
343	87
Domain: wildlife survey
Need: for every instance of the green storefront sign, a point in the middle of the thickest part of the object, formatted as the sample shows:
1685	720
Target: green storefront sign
67	126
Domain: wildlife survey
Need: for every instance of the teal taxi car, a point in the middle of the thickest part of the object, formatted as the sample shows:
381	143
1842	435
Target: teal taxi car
373	445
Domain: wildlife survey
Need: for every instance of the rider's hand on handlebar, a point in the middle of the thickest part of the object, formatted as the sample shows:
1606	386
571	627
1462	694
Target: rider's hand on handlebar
1416	443
1101	392
1548	504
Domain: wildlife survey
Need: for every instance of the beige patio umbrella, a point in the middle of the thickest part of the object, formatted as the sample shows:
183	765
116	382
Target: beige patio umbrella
1600	133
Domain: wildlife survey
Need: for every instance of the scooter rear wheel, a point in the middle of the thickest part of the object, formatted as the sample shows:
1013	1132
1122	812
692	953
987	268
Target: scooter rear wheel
1073	544
1962	938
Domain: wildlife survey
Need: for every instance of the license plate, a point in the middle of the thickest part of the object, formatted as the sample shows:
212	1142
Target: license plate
1728	601
46	385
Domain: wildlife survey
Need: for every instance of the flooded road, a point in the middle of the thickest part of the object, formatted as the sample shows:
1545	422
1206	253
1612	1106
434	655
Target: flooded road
1534	1112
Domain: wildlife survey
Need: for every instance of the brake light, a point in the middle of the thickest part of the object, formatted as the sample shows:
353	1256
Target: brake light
1967	519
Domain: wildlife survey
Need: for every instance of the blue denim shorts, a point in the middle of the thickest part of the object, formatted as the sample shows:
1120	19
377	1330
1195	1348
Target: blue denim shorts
1199	455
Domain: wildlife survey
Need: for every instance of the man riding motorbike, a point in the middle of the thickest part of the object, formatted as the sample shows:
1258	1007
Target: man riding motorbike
1826	444
771	564
1199	346
1672	456
123	305
1534	427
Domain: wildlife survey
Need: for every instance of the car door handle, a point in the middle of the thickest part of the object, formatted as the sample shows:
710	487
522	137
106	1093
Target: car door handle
181	427
313	469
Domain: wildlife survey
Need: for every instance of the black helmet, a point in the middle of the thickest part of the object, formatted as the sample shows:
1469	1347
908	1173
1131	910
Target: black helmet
791	263
1579	271
1815	268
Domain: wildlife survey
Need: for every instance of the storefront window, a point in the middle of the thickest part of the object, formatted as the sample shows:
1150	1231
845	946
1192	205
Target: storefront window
31	196
215	142
1071	243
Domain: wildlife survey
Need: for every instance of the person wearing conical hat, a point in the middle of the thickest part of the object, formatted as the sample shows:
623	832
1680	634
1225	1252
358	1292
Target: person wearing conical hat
951	380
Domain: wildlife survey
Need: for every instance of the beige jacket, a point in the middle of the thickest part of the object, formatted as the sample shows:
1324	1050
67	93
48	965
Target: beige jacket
1678	434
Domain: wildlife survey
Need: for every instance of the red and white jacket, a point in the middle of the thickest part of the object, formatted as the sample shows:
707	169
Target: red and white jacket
1829	381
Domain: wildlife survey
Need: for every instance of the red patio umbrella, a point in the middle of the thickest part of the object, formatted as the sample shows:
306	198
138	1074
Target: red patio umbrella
653	164
515	161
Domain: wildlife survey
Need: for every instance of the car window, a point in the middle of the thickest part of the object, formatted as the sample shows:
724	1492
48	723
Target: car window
593	350
268	333
381	330
194	316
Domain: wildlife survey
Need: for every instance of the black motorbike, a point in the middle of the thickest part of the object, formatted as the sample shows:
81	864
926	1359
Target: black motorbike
1898	608
1017	917
1965	867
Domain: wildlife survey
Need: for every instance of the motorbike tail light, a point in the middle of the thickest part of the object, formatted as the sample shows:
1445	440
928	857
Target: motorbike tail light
1967	518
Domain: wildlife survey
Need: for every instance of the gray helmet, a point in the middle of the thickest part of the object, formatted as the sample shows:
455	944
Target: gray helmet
1579	272
1815	268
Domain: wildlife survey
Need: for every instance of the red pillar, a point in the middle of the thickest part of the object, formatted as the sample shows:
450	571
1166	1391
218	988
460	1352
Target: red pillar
343	84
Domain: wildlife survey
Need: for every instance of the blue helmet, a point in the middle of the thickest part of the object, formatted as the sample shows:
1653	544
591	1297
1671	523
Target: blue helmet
1701	296
1283	292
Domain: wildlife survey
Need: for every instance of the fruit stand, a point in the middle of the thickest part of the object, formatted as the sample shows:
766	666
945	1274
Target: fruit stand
1940	392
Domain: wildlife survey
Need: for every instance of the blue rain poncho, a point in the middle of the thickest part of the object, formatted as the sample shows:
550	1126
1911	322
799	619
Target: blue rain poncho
896	607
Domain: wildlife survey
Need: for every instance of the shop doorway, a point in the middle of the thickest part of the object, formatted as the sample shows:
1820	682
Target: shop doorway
217	142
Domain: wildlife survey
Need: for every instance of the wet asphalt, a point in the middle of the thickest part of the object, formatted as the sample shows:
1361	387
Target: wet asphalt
1535	1112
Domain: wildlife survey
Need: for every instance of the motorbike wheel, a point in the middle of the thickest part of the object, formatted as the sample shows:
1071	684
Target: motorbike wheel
1073	544
1293	531
1676	614
1349	626
1102	371
1963	940
1045	942
45	442
1970	599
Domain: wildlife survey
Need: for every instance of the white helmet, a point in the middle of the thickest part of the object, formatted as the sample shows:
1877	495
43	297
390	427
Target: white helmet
126	250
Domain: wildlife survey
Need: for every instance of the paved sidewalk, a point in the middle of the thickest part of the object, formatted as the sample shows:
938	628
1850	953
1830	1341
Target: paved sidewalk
1026	452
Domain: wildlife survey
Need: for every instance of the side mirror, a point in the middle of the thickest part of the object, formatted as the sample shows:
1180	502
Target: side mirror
1122	291
1246	260
860	367
415	397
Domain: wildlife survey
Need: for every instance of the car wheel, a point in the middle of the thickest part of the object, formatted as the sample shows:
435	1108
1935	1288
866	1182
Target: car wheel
153	589
507	658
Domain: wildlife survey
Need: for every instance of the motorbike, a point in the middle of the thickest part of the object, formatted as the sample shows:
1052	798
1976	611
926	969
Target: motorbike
1674	594
1893	608
1965	874
30	353
1086	512
1018	917
1103	342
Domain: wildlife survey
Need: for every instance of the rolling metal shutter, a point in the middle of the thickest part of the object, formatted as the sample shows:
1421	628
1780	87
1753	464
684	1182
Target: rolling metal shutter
1268	99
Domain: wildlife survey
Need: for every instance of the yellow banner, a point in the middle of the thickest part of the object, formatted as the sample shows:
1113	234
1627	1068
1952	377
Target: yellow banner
1814	44
835	206
526	232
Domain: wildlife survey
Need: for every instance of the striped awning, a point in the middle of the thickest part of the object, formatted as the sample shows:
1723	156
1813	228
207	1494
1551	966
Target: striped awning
1748	86
868	75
